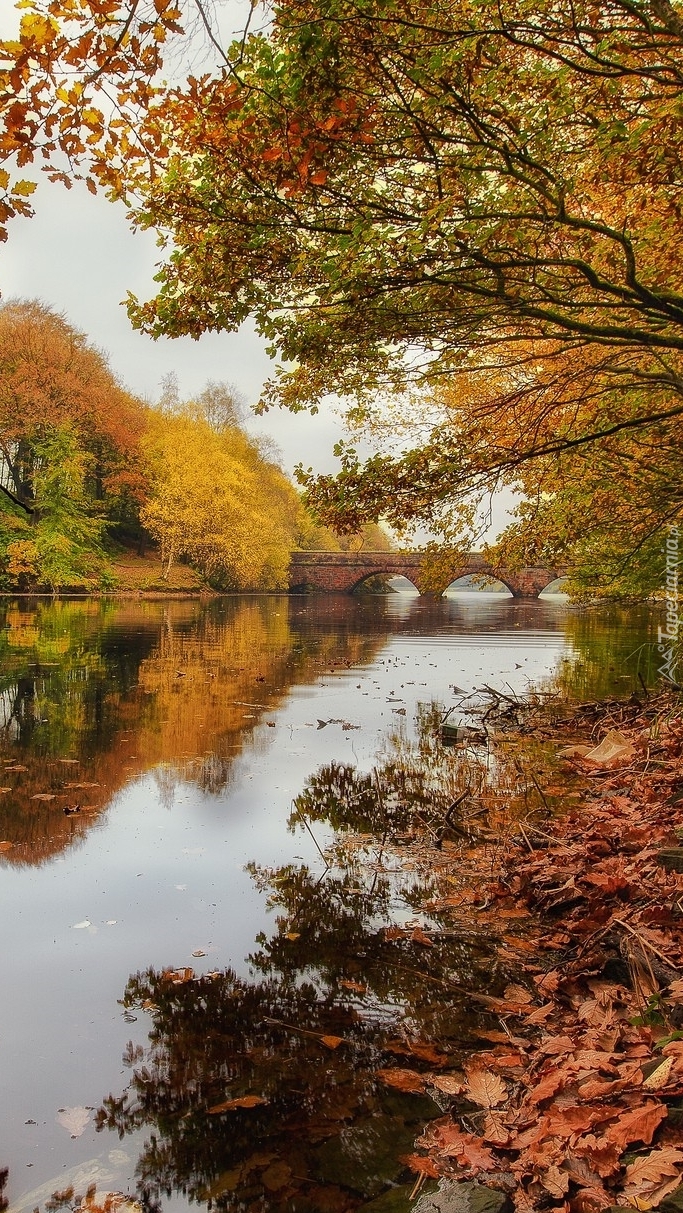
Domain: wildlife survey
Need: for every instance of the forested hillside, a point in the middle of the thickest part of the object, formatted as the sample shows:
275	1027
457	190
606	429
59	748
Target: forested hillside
88	469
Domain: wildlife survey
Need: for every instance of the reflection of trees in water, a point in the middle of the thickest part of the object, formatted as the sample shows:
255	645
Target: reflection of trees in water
329	1134
131	686
613	647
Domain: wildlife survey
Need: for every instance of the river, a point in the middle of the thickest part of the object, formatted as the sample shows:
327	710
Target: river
197	893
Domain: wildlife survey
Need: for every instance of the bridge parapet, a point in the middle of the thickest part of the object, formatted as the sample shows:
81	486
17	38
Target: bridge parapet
343	572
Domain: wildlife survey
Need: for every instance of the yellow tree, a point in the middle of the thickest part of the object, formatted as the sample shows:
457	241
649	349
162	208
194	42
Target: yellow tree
216	502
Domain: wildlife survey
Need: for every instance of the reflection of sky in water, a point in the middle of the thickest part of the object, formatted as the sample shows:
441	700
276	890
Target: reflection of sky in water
160	874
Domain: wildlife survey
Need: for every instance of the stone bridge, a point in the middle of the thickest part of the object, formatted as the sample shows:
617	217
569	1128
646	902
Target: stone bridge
343	572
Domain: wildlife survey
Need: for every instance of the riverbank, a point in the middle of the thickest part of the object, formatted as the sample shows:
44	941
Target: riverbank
575	1100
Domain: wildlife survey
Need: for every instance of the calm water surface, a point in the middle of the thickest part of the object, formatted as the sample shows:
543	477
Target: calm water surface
171	773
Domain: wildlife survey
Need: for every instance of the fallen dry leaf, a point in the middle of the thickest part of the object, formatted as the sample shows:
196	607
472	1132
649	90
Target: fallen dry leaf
496	1132
408	1081
614	750
637	1124
647	1176
516	993
244	1101
484	1087
332	1042
6	846
448	1083
659	1077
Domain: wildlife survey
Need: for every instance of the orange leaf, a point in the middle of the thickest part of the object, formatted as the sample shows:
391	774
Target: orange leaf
646	1176
484	1087
638	1124
331	1042
245	1101
420	1164
403	1080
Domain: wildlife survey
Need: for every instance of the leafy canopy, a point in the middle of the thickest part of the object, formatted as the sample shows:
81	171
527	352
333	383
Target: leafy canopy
477	203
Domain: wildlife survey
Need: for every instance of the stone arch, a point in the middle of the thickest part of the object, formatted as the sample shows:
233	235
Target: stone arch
411	575
479	573
556	586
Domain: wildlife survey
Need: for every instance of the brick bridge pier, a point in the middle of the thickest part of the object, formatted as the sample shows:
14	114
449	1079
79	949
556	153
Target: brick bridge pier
343	572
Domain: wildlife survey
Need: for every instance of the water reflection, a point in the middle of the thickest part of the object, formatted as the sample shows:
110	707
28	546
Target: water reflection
169	822
94	693
341	988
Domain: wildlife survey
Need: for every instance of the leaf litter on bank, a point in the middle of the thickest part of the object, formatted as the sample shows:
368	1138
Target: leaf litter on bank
578	1105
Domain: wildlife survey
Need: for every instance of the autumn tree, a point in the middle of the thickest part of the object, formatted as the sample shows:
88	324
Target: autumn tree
69	448
411	197
215	501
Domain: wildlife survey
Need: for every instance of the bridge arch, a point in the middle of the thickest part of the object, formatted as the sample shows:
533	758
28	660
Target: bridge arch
555	587
369	576
457	584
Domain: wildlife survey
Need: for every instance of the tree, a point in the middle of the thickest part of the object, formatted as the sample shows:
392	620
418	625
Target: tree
420	196
215	501
50	377
360	186
69	449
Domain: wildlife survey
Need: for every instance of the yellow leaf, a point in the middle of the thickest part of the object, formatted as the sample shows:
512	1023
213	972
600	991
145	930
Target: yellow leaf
38	29
659	1077
24	188
4	179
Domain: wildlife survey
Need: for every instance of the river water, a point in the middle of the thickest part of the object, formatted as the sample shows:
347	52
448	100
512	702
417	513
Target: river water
180	930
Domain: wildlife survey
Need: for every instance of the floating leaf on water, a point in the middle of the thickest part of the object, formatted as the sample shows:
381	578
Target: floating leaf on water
16	767
199	952
408	1081
44	796
355	986
80	926
332	1042
244	1101
6	846
178	976
74	1120
5	789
